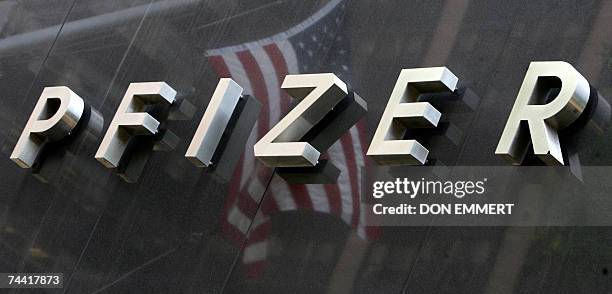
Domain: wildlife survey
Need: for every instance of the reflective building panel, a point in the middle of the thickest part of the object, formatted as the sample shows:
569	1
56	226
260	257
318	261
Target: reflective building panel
155	222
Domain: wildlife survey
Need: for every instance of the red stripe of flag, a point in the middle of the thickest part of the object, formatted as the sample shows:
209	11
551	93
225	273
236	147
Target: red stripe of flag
218	64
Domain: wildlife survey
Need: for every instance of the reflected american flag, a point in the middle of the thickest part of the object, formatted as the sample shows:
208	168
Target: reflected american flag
314	45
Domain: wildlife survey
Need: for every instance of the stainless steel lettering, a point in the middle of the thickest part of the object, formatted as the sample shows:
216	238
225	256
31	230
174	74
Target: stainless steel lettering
543	119
130	121
213	124
403	111
55	115
318	94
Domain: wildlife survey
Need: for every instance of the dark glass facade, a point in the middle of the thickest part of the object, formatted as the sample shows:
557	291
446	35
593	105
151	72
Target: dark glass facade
159	224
